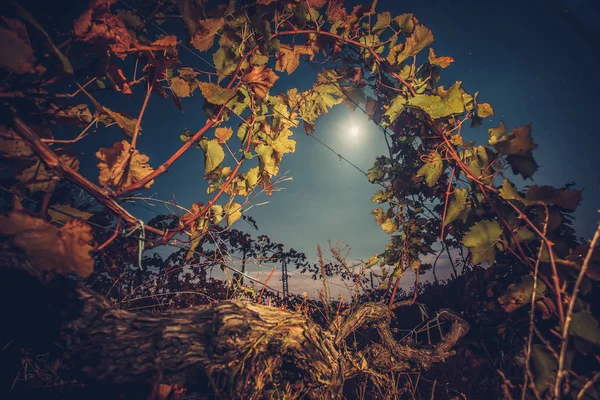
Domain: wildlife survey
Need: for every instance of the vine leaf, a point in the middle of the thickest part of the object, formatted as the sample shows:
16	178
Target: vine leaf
441	106
16	54
456	204
260	79
63	250
565	198
516	143
124	121
481	240
233	211
544	367
283	144
204	37
509	192
519	294
63	213
38	178
584	325
287	59
389	226
214	94
213	154
223	134
432	170
484	110
441	62
12	145
396	108
496	133
383	21
168	40
111	158
267	162
77	115
417	41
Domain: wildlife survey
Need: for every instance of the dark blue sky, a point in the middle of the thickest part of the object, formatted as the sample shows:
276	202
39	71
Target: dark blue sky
534	61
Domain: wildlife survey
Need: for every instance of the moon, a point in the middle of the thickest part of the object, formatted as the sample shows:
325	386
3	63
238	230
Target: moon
354	130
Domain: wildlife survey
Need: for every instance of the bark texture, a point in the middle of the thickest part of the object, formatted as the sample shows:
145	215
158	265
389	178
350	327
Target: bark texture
246	350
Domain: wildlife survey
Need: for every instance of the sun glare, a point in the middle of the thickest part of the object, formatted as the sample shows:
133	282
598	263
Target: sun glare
354	130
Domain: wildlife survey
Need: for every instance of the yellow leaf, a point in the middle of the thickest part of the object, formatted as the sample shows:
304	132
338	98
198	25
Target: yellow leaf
63	250
111	158
213	154
283	144
420	38
233	211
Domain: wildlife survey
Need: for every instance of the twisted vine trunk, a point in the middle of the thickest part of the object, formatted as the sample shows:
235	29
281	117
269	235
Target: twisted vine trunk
246	350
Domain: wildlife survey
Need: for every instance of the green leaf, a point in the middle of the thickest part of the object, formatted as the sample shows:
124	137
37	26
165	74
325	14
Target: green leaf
395	109
213	154
519	294
383	21
432	170
267	162
233	211
215	94
420	38
585	325
217	212
372	261
481	240
283	144
544	367
180	87
226	61
509	192
436	106
456	204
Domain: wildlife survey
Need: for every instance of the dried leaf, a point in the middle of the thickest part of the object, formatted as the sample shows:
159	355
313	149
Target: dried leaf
205	35
223	134
215	94
260	79
16	54
62	250
136	169
441	62
38	178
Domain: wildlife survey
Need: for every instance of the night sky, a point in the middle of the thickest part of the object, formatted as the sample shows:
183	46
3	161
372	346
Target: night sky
534	61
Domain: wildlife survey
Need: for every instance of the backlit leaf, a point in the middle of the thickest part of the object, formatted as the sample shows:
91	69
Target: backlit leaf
383	21
62	250
267	162
456	204
417	41
496	133
517	143
213	154
233	212
440	106
481	241
432	170
484	110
